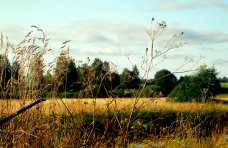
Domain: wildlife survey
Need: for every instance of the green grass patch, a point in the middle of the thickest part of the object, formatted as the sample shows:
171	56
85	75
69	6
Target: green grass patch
224	85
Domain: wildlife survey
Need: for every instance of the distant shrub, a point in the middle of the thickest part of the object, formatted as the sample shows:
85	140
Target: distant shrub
184	91
201	87
147	92
130	92
151	91
119	92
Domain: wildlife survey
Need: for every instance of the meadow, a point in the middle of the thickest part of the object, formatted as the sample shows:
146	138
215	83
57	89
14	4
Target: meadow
154	122
121	104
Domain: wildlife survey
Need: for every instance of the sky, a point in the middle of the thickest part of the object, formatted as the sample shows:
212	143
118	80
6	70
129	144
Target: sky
115	30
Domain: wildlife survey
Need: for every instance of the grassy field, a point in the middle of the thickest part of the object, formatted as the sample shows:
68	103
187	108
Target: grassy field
101	105
223	97
108	123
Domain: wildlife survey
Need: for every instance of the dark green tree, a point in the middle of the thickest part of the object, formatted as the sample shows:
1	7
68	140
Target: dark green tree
201	87
60	71
66	75
97	65
72	76
126	76
135	71
87	80
165	80
5	75
106	80
130	79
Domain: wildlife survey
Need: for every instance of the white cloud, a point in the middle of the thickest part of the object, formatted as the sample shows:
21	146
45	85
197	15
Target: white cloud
117	41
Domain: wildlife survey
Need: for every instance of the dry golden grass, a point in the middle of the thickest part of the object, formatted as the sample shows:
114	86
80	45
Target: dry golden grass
102	105
222	97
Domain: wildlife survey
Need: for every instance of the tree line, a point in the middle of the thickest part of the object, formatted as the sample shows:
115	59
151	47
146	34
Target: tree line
97	79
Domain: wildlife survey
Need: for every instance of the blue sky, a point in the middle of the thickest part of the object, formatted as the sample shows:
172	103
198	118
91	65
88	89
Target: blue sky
115	30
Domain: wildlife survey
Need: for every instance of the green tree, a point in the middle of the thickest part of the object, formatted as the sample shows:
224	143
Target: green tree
72	76
126	76
208	82
135	71
130	79
201	87
66	73
106	80
87	80
165	80
5	75
60	71
97	65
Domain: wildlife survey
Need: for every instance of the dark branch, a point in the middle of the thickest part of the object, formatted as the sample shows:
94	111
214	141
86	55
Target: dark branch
20	111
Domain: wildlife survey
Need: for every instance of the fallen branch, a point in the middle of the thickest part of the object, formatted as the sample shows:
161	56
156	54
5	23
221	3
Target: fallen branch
20	111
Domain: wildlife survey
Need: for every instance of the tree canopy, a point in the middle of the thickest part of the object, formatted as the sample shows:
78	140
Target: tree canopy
98	80
200	87
165	80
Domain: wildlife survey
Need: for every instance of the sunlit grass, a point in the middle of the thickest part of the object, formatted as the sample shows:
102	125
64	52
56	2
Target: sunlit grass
223	97
102	105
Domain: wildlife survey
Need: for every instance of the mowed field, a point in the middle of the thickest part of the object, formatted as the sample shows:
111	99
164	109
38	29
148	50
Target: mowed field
104	105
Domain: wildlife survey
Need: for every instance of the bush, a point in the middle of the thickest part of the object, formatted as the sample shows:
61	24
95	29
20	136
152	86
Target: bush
151	91
184	91
147	92
200	87
118	92
130	92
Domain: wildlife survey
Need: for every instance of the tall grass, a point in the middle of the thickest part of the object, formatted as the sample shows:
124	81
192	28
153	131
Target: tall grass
50	124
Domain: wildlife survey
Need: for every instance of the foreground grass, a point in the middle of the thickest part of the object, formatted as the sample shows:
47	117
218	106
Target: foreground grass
106	123
147	128
217	141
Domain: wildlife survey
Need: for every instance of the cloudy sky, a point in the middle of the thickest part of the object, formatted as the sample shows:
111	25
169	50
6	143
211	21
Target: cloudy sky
115	30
